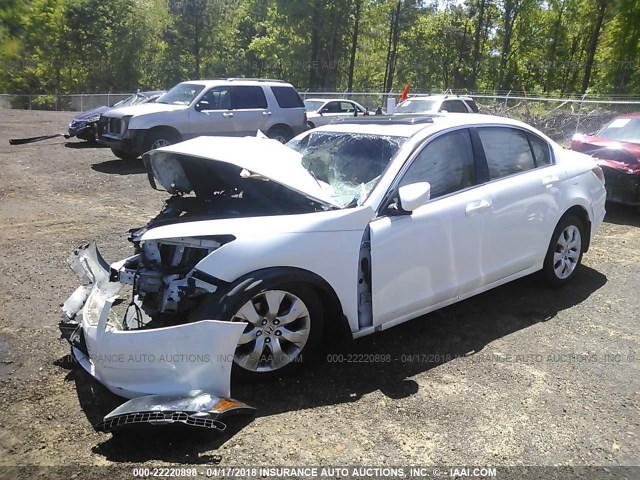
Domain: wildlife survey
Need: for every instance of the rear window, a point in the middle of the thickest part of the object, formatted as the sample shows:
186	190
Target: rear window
454	106
287	97
246	97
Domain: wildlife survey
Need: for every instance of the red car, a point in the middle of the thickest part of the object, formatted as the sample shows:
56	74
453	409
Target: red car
617	150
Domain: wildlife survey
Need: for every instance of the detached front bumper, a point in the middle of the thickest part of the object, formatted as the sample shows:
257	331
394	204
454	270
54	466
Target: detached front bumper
171	360
84	130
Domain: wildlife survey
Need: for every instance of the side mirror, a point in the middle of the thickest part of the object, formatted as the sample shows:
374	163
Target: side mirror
202	105
414	195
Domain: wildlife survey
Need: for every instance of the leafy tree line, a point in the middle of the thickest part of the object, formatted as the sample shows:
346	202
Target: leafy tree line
542	46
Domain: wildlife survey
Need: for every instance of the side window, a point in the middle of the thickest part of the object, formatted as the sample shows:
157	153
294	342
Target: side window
541	150
454	106
472	105
219	98
287	97
507	151
446	163
346	107
248	97
331	107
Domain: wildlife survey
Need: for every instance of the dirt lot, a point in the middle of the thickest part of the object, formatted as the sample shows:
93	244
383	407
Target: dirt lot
554	380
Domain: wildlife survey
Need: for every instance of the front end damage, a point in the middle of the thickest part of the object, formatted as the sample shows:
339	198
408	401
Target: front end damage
146	325
127	351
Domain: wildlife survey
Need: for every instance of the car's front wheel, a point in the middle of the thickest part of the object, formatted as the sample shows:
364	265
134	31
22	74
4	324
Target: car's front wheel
161	137
284	322
565	251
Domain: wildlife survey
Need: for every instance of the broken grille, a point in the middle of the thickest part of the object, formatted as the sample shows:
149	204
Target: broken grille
114	125
159	418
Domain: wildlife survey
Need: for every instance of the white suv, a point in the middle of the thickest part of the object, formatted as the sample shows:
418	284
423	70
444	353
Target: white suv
262	247
229	107
436	103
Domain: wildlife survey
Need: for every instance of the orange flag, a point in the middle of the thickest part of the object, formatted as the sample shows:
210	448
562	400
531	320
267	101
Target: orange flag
405	92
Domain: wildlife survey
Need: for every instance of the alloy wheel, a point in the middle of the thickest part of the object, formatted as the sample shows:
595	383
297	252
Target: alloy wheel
278	328
567	252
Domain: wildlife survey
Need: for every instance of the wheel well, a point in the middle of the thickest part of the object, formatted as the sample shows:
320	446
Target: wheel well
162	129
335	320
311	124
281	126
583	215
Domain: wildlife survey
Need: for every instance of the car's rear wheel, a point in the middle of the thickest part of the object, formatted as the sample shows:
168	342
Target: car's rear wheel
280	134
124	155
565	251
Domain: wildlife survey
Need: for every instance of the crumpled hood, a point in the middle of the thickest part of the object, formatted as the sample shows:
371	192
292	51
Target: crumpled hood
143	108
257	159
89	114
619	155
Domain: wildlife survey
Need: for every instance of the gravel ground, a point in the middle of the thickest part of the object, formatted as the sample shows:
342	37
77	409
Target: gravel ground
521	375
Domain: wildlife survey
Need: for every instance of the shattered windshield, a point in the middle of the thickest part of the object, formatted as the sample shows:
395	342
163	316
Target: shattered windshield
346	165
416	106
622	130
181	94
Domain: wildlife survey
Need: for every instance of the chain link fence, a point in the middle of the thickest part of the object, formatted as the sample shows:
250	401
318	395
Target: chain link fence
72	103
559	118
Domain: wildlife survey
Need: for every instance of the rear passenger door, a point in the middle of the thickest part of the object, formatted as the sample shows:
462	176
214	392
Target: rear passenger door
248	110
522	192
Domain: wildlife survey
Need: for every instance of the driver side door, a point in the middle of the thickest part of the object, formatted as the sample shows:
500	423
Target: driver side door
214	116
426	258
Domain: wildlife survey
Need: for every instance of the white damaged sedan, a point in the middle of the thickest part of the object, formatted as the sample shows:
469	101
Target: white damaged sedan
261	247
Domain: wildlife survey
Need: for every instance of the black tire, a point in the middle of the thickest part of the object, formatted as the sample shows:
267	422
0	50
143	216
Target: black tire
565	251
282	134
293	355
160	137
311	125
124	155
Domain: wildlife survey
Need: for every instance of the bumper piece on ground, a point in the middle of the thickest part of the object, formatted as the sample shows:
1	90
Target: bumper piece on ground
195	409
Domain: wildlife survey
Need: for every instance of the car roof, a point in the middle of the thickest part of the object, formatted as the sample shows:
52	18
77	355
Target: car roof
330	100
238	81
407	128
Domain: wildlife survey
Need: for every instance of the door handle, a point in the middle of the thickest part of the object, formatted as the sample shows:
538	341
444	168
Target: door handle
266	114
227	114
549	180
477	207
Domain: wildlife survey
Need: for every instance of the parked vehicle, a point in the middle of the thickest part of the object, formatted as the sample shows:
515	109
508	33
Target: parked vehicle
436	103
262	247
322	111
616	148
231	107
85	124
